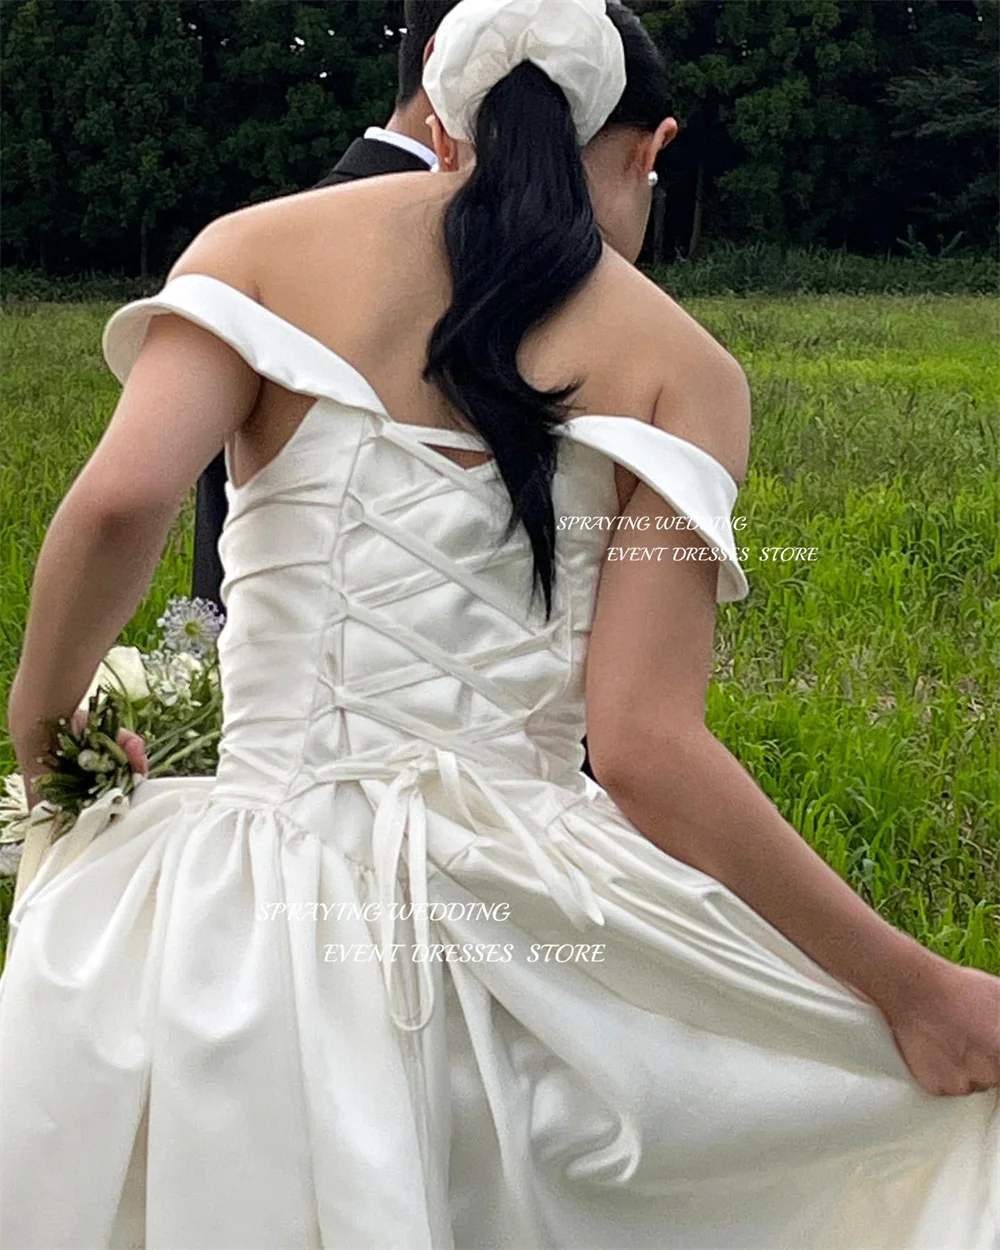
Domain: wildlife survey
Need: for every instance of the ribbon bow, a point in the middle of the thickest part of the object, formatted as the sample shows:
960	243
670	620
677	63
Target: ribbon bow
401	815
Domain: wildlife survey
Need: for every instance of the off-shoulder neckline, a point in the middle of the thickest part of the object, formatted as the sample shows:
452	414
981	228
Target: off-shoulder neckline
377	405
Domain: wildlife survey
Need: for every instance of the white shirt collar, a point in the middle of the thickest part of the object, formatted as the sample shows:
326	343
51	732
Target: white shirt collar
403	141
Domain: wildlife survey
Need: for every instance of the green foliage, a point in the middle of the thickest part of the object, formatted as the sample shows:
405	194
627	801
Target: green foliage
33	286
140	145
814	118
181	739
722	269
86	763
859	688
128	125
768	268
945	113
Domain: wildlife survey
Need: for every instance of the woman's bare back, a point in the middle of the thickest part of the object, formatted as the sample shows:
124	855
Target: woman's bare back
362	269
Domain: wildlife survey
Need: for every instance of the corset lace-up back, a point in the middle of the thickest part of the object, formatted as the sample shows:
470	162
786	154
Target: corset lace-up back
370	603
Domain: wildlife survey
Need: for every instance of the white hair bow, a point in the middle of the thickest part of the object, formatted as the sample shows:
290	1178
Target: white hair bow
480	41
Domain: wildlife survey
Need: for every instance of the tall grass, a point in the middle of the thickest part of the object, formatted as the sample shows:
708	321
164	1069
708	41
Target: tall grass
861	688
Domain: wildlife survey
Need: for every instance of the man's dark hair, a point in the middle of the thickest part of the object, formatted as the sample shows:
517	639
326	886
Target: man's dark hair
421	18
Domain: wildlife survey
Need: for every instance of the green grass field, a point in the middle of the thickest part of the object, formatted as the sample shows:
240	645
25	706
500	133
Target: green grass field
862	688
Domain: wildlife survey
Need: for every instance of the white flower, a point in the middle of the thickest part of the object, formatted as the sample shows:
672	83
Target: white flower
170	674
14	821
191	625
13	809
121	669
184	666
14	794
10	858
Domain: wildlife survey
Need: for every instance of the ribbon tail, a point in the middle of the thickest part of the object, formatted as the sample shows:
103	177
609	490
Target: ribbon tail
417	863
569	887
387	842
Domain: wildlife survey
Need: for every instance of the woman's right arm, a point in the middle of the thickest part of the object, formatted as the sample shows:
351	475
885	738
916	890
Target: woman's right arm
648	668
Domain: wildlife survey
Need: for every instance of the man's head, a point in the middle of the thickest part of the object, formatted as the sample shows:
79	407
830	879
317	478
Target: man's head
422	18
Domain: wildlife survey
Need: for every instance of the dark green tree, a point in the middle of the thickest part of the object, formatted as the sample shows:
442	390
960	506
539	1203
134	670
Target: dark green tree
288	85
790	120
127	125
943	123
41	41
141	144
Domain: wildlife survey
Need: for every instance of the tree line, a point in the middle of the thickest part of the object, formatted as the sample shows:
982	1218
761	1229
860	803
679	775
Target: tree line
127	125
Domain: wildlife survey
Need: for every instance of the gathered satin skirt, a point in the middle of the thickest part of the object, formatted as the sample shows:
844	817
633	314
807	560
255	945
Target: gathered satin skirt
588	1044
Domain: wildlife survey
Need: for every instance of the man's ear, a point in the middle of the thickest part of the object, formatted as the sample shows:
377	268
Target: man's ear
428	48
442	142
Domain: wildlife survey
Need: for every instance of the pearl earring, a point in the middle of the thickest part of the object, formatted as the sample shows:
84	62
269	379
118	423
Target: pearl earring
652	177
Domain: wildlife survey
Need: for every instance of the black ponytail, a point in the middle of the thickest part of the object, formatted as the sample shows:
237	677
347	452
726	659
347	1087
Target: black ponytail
521	237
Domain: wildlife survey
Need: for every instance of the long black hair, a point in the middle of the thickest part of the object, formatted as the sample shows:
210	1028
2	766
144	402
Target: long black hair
521	237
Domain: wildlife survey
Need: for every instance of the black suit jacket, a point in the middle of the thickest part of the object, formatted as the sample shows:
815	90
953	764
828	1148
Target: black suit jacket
365	158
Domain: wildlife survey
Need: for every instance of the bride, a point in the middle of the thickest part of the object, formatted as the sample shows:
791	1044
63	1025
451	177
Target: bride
400	976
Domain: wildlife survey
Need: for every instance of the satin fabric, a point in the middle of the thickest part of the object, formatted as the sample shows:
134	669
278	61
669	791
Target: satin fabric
193	1056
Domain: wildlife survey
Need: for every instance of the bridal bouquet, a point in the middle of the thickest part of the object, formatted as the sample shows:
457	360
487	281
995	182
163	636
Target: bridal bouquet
169	696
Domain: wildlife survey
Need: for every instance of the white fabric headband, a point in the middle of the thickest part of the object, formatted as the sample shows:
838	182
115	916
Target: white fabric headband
480	41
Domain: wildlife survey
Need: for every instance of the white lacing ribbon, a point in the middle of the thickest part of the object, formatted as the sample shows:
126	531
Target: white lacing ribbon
401	815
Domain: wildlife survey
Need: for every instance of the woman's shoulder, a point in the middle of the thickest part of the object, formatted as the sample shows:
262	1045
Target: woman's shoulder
702	392
369	203
222	249
654	313
309	237
244	246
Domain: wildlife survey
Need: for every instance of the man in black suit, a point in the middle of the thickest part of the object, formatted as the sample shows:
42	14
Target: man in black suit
402	145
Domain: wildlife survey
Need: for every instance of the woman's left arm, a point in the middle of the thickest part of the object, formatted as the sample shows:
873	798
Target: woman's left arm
186	394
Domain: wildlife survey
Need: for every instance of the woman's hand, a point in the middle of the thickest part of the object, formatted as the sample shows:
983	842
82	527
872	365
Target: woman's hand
948	1029
29	748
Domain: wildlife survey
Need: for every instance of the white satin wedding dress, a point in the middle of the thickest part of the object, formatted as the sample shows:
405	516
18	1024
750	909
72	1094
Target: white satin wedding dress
202	1048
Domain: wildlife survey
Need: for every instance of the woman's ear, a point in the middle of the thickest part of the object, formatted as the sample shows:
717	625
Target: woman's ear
428	48
653	143
666	132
